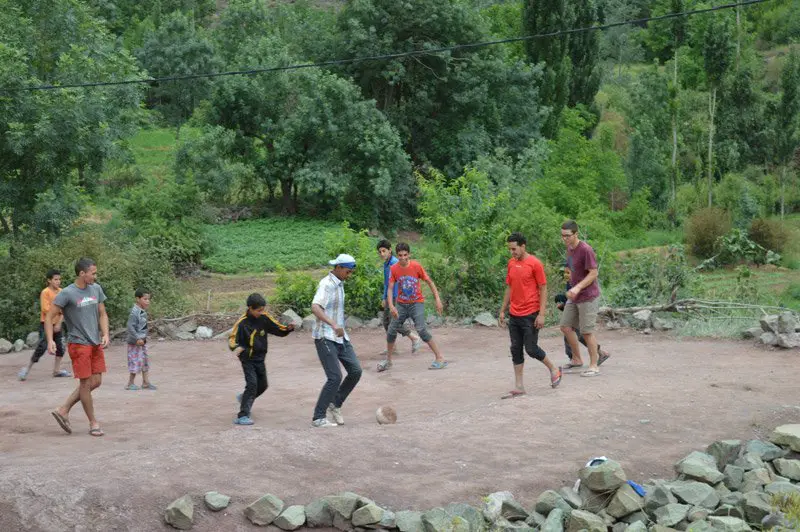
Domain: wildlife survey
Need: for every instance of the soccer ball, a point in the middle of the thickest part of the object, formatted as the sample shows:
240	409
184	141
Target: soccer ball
386	415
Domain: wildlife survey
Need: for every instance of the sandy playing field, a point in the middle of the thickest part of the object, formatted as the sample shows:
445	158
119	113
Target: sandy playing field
658	399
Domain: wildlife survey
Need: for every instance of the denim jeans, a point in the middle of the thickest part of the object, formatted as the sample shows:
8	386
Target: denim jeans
415	311
335	389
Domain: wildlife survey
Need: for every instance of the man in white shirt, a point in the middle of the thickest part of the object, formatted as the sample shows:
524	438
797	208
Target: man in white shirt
333	343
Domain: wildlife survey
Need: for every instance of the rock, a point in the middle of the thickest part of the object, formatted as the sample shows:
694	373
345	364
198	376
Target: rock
726	510
188	326
535	519
776	521
671	514
389	520
309	322
224	335
19	345
625	502
788	468
549	500
290	317
264	511
343	504
580	520
759	477
768	338
724	452
203	333
438	520
636	517
722	490
765	450
696	494
367	515
700	466
503	525
493	505
182	335
769	323
756	505
554	521
661	528
787	323
728	524
216	501
659	495
789	341
513	511
787	436
486	319
752	332
775	488
750	461
353	323
641	319
734	498
32	340
472	516
697	514
319	514
607	519
734	476
408	521
613	325
662	324
180	513
5	346
606	476
592	501
570	496
435	321
374	323
291	518
638	526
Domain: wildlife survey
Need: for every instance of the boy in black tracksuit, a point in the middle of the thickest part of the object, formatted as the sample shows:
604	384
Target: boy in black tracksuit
248	339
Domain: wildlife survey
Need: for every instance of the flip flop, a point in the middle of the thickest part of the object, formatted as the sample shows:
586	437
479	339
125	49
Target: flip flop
603	358
570	365
512	394
64	422
97	432
438	365
62	373
590	373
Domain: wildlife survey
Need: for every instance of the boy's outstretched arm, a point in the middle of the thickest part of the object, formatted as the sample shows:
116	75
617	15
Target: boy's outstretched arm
432	285
275	327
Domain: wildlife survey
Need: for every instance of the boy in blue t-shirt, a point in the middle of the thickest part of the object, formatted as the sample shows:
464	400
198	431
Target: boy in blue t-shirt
385	251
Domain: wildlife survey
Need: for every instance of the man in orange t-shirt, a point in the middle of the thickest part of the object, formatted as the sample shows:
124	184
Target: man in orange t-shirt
45	302
526	290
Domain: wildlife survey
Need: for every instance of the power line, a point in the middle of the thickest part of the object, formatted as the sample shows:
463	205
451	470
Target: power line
335	62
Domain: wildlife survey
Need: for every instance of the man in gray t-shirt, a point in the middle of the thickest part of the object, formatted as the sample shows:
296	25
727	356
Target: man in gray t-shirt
84	310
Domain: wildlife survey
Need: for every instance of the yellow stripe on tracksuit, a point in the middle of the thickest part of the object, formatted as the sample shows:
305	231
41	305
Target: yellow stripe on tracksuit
232	336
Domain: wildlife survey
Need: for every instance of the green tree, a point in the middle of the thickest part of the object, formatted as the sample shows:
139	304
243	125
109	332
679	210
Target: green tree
120	15
787	126
177	48
584	54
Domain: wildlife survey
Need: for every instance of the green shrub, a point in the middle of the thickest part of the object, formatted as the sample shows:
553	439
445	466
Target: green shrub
770	234
651	278
294	290
123	266
364	288
736	248
703	228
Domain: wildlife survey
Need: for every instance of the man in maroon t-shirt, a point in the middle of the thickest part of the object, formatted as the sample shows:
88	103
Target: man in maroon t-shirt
526	290
580	312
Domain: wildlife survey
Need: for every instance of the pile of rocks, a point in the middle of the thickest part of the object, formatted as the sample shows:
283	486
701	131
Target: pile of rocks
19	345
731	487
779	330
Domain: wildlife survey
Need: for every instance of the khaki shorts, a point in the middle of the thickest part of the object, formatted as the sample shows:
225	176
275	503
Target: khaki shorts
581	316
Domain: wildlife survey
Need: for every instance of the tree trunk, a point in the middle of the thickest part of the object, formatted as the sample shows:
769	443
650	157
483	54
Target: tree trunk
738	36
674	177
286	196
783	192
4	224
712	108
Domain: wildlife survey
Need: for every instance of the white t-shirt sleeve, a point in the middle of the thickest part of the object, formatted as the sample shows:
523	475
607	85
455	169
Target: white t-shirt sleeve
321	297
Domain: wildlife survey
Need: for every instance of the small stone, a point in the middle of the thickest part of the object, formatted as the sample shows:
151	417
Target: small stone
183	335
752	332
290	317
758	476
554	521
637	526
783	488
756	505
636	517
343	504
734	498
367	515
580	520
769	323
671	514
659	495
724	452
789	341
662	324
180	513
696	494
291	518
765	450
493	505
5	346
374	323
570	496
728	524
216	501
606	476
471	515
788	468
734	477
750	461
188	326
642	319
513	511
697	514
625	502
309	322
549	500
592	501
787	436
787	323
438	520
389	520
769	338
319	514
19	345
264	511
353	323
203	333
535	519
775	521
486	319
700	466
408	521
726	510
32	340
613	325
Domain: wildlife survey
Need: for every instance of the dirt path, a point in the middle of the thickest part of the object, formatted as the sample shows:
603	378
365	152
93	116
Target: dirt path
659	399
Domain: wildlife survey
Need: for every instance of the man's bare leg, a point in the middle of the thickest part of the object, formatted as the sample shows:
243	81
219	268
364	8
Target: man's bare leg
591	345
518	373
435	348
572	339
57	365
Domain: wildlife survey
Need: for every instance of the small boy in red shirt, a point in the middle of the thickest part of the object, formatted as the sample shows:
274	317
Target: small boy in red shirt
407	274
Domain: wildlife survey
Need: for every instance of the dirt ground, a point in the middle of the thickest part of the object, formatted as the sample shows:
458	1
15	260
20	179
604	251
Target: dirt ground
658	399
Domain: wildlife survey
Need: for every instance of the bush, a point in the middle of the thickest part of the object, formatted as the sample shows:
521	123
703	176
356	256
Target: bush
735	248
651	278
703	228
294	290
770	234
123	267
364	288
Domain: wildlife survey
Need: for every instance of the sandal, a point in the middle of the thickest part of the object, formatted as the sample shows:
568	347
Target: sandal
513	394
603	357
132	387
97	432
64	422
590	373
149	386
62	373
438	365
572	365
555	378
383	365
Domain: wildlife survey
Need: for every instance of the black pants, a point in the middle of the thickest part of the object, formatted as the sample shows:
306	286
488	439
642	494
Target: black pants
581	339
41	347
255	381
524	334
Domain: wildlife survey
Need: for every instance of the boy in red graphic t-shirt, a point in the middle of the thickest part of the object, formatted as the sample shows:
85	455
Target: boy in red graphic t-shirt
526	291
407	274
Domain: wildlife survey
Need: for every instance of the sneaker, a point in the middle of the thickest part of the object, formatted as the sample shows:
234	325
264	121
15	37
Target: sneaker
336	414
416	345
149	386
62	373
322	422
239	398
23	373
132	387
244	420
555	378
383	365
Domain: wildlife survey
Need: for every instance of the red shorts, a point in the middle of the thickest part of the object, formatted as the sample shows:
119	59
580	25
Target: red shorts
87	360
